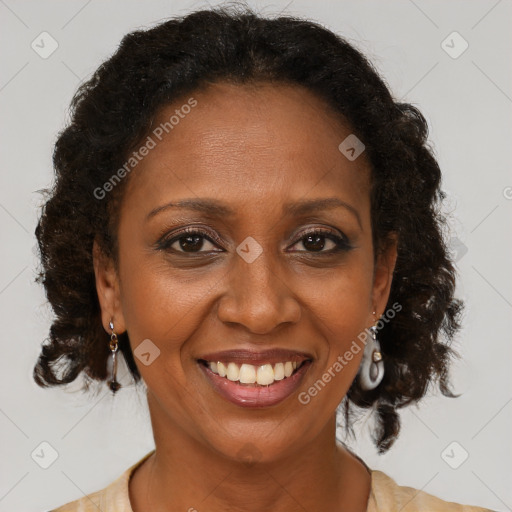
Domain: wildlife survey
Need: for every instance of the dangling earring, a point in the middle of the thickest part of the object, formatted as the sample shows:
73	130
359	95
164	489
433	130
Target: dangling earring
371	370
113	384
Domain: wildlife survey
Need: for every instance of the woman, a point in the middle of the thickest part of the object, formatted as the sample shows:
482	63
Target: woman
244	212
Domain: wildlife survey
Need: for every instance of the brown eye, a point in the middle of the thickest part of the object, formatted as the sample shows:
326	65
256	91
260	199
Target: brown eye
318	240
189	241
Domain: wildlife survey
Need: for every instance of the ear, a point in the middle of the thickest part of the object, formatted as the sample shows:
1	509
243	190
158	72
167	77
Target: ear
383	274
108	290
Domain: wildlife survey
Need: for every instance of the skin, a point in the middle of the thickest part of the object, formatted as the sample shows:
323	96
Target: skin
253	148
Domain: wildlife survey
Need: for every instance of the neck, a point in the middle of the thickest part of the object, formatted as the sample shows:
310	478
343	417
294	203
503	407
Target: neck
187	475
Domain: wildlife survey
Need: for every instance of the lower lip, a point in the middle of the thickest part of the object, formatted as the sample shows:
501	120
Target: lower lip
247	395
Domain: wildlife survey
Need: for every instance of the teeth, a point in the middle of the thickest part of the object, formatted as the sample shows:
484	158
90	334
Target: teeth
233	372
263	375
279	371
221	369
247	374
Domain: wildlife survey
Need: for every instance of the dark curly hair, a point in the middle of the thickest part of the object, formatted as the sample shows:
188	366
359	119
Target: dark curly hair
114	110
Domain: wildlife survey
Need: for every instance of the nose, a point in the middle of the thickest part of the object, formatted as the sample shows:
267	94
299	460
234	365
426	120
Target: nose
258	296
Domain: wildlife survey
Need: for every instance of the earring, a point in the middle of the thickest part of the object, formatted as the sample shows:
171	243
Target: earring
113	384
371	370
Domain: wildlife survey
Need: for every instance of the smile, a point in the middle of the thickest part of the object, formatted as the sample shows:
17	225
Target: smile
263	375
250	379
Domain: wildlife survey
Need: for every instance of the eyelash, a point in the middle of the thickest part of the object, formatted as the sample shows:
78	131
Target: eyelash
342	243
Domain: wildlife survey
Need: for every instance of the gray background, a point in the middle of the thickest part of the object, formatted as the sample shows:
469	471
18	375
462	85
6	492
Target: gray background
467	101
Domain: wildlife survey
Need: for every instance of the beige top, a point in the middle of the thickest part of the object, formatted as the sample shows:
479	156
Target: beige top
385	496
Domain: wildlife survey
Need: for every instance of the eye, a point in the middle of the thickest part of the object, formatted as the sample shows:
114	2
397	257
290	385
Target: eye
195	240
315	241
190	240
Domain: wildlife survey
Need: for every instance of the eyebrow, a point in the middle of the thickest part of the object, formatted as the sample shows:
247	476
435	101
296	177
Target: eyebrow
216	208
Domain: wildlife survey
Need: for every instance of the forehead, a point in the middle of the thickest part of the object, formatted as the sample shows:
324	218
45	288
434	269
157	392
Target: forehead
241	143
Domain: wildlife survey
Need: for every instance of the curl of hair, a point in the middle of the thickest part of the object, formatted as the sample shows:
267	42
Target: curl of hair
114	110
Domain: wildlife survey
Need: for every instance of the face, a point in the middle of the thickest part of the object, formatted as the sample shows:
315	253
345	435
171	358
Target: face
266	267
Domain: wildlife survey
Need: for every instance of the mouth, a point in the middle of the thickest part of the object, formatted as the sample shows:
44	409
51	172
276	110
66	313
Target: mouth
251	379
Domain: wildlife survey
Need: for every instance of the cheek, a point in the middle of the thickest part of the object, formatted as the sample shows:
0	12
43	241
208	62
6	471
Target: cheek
340	306
341	300
162	306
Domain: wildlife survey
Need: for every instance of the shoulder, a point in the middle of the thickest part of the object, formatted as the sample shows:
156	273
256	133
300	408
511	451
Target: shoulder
89	503
113	497
387	495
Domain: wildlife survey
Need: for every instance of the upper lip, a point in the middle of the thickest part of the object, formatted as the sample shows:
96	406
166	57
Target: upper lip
257	358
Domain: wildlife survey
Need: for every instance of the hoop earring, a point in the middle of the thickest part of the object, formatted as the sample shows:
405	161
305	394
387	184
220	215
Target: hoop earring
113	344
371	370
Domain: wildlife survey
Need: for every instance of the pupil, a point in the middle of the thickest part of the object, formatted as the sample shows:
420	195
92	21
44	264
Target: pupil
189	243
317	245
